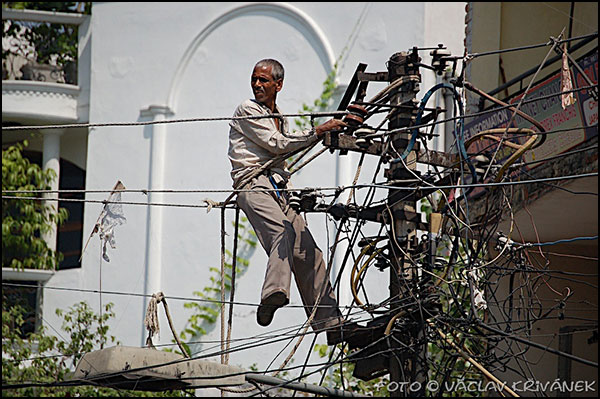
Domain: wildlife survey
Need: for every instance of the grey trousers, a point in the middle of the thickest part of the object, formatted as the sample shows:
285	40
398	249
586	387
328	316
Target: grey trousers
291	248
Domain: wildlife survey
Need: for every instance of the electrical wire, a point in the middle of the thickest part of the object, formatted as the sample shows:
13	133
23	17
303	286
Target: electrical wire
528	47
171	121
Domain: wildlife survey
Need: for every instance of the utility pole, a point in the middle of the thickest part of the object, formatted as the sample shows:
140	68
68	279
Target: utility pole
402	351
408	347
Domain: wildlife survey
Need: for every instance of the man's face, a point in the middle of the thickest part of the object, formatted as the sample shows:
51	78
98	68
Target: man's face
264	87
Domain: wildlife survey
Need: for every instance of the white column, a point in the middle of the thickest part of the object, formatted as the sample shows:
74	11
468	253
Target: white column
51	160
445	139
345	173
156	179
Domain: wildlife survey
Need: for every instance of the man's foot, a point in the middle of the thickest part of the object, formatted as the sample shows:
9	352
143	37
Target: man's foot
268	306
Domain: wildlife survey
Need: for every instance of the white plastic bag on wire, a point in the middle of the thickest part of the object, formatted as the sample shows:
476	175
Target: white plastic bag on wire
112	215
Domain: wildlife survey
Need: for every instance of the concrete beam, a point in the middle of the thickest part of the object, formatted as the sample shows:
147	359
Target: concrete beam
146	369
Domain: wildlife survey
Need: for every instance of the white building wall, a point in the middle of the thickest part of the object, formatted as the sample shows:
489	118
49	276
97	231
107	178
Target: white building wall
194	60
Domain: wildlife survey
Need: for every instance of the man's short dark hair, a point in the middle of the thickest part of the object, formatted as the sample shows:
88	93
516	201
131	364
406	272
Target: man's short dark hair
276	67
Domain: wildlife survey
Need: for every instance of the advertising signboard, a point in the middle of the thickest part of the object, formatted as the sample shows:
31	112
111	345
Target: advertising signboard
565	128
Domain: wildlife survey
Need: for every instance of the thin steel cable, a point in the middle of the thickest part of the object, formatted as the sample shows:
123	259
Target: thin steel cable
473	115
517	108
528	47
170	121
223	344
233	275
342	188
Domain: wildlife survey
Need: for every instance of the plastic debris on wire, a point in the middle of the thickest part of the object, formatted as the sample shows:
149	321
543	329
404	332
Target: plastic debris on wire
478	299
112	215
210	204
478	295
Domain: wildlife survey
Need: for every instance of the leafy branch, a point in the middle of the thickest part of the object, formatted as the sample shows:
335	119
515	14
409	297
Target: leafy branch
25	221
45	359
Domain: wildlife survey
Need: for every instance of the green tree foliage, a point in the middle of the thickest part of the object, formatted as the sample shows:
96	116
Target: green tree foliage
323	102
38	357
24	221
45	359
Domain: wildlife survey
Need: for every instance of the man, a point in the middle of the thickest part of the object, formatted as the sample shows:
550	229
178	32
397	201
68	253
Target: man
281	231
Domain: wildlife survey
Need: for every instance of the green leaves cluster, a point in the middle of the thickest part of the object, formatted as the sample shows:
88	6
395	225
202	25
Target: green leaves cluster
46	359
323	102
24	221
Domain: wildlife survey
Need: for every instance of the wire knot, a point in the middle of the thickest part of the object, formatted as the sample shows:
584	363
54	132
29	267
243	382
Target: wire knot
212	204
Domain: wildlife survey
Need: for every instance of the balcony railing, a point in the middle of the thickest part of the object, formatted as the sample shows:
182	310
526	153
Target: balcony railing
40	45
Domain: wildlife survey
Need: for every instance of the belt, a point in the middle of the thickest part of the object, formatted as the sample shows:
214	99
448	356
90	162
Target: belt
277	181
272	180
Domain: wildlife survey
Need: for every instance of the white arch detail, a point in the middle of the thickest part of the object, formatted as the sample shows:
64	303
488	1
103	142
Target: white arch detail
315	35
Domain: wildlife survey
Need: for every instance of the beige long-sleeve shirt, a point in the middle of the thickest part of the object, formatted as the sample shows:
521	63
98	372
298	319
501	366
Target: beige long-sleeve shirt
252	142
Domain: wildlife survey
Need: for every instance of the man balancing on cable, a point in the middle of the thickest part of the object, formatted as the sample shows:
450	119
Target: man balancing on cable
281	231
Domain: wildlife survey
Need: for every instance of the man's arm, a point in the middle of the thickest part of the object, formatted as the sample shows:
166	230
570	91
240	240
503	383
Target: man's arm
329	126
265	134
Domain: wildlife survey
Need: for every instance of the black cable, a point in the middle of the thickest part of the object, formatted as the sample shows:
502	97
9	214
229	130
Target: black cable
532	46
539	346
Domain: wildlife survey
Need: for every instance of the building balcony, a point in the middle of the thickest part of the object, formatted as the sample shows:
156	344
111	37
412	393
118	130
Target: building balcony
32	101
53	91
46	64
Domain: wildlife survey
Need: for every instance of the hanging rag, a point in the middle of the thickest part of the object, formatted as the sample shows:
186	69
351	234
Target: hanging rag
566	81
